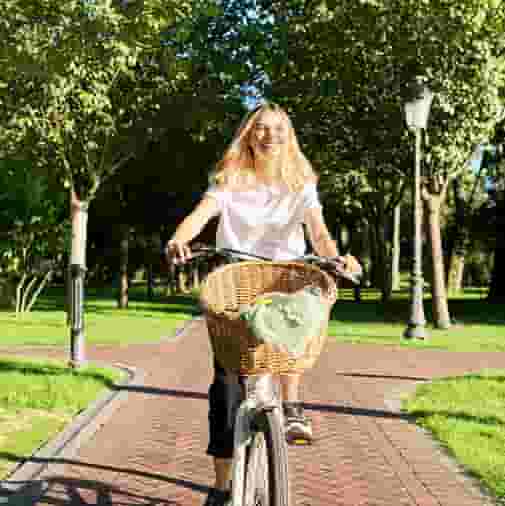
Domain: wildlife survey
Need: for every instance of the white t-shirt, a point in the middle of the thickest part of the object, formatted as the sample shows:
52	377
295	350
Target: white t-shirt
266	220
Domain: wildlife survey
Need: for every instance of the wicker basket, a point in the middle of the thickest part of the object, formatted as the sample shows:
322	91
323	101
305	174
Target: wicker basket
228	288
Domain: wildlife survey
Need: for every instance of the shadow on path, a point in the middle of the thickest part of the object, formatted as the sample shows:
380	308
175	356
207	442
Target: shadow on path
144	389
61	491
328	408
347	410
103	490
381	376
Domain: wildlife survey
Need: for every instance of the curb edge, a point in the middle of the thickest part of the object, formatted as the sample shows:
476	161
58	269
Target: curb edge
25	485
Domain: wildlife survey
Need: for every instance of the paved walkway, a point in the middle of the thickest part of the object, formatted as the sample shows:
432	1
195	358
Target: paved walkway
151	452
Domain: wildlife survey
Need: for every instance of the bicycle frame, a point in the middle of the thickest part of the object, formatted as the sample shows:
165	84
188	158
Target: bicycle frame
261	393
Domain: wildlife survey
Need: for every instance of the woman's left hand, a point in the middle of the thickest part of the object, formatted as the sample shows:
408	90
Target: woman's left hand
348	263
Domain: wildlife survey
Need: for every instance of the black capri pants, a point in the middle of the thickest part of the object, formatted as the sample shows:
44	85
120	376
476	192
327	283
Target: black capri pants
224	399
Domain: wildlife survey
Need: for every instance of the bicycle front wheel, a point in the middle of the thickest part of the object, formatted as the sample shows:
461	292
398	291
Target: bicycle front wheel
267	482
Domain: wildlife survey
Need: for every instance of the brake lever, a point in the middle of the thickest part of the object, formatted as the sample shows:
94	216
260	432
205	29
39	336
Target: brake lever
355	278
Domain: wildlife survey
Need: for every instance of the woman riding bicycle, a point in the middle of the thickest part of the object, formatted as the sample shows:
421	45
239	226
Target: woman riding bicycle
264	191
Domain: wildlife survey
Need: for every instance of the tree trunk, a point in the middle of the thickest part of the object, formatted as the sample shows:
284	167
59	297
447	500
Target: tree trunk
196	277
383	258
182	279
385	251
79	218
456	263
172	286
363	251
123	267
441	318
497	287
150	282
374	256
386	264
395	261
343	242
456	271
338	238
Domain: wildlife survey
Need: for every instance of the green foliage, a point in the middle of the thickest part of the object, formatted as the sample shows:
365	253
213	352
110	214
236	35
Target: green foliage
33	230
372	51
82	83
32	226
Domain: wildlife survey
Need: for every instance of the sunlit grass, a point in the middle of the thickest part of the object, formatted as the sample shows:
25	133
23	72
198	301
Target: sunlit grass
37	399
477	324
467	415
143	321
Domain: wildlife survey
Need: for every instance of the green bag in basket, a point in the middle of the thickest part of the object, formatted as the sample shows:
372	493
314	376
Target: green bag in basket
286	320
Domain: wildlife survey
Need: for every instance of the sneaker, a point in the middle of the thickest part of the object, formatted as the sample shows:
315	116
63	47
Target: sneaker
297	426
218	497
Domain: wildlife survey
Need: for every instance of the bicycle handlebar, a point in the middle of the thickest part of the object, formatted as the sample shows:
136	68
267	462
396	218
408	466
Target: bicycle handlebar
329	264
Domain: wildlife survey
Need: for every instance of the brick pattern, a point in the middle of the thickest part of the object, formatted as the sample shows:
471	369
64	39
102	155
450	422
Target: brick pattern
366	452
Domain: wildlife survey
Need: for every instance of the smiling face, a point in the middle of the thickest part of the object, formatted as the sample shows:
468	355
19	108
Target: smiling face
269	135
265	149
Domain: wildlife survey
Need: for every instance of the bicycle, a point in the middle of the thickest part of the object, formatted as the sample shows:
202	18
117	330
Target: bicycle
260	461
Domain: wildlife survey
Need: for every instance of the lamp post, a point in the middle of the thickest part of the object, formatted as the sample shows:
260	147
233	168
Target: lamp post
417	110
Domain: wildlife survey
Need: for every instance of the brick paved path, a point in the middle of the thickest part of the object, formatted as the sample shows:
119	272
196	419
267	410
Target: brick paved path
151	452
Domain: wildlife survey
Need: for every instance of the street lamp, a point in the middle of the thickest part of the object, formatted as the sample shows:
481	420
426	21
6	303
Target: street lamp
417	110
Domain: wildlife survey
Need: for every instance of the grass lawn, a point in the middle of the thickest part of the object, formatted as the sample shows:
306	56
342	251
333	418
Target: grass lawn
479	326
37	399
467	415
143	321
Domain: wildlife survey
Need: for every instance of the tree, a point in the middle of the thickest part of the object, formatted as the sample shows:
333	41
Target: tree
468	196
33	231
135	201
497	170
371	51
80	94
344	80
341	70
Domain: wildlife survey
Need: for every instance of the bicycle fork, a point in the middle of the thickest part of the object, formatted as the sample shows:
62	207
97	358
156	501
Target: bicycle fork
260	394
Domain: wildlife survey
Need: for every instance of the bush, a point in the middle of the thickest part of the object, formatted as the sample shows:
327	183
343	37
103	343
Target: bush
7	294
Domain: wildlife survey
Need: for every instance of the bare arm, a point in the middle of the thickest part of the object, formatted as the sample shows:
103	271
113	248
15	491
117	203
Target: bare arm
190	227
319	235
324	244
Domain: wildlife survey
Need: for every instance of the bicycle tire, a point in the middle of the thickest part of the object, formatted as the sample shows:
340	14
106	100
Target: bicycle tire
266	480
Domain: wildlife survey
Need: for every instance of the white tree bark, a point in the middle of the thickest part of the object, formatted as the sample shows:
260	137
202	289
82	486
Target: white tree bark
79	218
79	214
395	268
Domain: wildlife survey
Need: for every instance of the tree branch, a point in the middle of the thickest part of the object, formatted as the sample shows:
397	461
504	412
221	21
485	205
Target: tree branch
27	291
39	289
117	165
446	181
19	288
399	195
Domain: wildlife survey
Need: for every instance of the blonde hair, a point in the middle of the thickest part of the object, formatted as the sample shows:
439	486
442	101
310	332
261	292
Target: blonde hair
236	167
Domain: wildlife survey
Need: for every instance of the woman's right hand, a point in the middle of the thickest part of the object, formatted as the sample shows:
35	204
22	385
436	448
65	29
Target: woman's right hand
177	251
